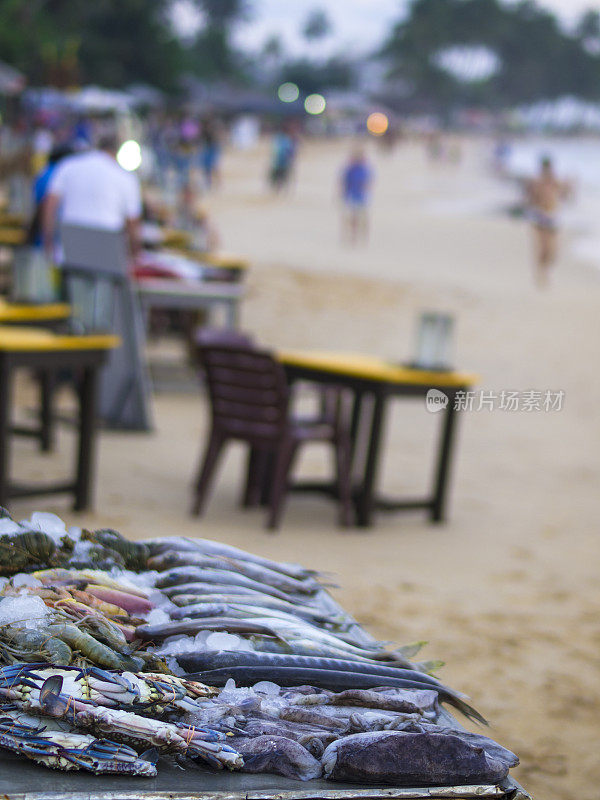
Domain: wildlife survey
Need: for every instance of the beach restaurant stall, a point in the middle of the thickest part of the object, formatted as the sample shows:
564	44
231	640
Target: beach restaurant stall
180	668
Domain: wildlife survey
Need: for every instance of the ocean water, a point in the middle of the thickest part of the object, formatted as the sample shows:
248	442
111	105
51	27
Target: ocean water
576	160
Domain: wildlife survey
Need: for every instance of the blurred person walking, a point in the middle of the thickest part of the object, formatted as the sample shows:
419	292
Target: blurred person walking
185	155
210	156
40	191
283	155
544	194
355	185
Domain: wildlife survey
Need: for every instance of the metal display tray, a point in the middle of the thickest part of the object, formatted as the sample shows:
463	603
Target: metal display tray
24	780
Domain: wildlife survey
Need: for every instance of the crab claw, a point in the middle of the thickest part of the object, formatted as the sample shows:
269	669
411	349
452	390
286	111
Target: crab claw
16	674
112	678
105	748
50	697
112	688
102	756
151	755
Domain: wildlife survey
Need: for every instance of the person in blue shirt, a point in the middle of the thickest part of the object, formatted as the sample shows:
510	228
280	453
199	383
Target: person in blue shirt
40	189
355	186
282	159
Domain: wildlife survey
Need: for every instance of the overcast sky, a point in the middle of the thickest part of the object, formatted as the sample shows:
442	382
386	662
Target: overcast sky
357	24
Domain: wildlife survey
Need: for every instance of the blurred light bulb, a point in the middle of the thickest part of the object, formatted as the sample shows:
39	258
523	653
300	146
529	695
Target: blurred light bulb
315	104
288	92
377	123
130	155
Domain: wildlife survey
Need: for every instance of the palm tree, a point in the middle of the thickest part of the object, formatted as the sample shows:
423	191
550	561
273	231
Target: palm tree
223	13
317	25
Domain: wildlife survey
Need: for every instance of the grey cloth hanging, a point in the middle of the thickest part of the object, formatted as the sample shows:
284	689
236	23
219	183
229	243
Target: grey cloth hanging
96	278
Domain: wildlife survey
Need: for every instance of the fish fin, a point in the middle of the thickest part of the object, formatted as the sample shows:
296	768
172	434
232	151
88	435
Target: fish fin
429	667
410	650
285	641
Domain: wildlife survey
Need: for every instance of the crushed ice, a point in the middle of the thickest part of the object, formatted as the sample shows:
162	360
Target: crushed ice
47	523
267	687
23	579
157	617
8	526
27	610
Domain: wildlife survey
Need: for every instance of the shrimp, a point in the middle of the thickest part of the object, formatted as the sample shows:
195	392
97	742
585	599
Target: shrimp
105	631
91	649
21	644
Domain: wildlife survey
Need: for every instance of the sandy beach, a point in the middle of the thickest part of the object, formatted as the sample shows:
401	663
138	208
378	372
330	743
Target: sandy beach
507	591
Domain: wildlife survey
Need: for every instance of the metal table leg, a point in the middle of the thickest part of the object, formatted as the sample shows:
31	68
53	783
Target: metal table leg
231	311
366	498
46	388
444	461
357	406
5	429
87	429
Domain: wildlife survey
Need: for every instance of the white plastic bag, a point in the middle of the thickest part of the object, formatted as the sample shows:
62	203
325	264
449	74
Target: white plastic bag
33	277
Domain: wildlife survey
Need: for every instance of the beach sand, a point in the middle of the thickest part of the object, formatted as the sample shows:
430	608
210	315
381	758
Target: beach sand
506	592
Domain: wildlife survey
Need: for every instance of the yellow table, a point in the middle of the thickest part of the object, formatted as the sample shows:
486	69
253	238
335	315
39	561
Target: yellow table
39	339
28	312
225	260
173	237
371	368
12	237
214	259
12	220
369	376
48	353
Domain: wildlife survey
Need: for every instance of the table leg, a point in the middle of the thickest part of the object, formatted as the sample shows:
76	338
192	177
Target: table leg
46	387
444	460
231	310
87	430
5	431
357	405
366	499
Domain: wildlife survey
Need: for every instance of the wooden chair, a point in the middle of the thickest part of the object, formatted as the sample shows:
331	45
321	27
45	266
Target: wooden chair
249	398
207	336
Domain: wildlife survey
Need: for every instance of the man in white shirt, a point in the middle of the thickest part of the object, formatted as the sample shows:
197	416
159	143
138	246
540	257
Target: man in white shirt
93	191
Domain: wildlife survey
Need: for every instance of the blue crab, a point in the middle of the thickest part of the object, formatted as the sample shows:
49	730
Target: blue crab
154	694
66	750
105	703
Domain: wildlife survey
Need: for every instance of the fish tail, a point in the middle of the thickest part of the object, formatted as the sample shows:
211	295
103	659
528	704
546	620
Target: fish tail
466	709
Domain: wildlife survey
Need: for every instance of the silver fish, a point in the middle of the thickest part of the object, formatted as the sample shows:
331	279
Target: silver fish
256	572
257	601
193	626
219	549
217	576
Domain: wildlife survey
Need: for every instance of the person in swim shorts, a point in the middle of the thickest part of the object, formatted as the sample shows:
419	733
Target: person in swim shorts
544	194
